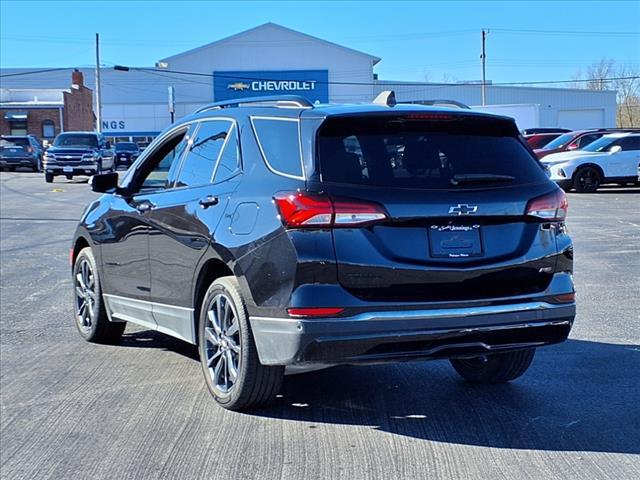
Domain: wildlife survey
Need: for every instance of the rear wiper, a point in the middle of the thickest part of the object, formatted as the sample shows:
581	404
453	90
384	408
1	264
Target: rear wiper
469	178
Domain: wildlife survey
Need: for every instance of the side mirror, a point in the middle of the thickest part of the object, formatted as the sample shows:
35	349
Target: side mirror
104	182
572	146
615	149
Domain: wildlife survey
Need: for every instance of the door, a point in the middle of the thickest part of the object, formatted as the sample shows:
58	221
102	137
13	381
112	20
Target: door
624	163
183	221
124	237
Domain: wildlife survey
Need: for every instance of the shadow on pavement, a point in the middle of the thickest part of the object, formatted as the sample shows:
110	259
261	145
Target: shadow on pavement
577	396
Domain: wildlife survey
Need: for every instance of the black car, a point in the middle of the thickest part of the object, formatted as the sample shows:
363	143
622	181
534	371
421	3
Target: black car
78	153
126	153
278	234
20	151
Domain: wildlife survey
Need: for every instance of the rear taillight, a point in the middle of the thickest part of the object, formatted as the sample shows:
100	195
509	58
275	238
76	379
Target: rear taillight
314	311
300	210
552	207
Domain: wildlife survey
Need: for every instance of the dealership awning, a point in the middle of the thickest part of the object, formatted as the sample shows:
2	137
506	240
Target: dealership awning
16	116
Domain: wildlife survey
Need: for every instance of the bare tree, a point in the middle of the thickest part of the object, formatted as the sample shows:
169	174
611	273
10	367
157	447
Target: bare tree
597	74
628	86
626	83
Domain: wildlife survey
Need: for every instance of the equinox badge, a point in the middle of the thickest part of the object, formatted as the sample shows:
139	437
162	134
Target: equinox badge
463	209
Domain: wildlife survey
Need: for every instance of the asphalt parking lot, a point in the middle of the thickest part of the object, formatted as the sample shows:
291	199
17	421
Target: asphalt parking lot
70	409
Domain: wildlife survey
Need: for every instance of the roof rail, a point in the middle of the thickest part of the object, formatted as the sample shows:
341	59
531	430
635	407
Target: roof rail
280	101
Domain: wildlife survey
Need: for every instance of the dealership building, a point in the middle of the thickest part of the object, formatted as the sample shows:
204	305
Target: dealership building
273	60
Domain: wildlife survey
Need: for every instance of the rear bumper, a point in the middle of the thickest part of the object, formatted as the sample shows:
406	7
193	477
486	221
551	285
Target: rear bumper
377	337
18	162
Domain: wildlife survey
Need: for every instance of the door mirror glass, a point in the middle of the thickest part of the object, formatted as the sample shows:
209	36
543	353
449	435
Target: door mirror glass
105	182
615	149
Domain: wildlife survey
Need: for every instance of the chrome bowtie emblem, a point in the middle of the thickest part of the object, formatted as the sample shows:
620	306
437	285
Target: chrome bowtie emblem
463	209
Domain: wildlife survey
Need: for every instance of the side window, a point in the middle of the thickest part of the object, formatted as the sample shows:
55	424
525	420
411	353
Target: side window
279	144
229	162
586	140
200	161
629	143
155	171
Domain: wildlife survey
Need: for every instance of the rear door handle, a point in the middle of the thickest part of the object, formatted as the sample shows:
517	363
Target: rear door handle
145	206
208	201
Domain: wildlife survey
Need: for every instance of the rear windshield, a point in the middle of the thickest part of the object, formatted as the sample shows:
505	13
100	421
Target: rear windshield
76	140
406	153
126	147
14	142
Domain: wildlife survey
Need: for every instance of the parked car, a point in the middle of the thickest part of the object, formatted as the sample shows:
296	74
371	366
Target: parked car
126	153
575	140
20	151
78	153
613	158
292	237
539	140
533	131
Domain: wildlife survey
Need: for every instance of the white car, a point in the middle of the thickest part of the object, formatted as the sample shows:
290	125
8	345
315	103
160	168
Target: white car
613	158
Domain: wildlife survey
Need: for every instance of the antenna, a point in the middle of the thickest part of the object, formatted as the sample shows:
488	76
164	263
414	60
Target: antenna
386	98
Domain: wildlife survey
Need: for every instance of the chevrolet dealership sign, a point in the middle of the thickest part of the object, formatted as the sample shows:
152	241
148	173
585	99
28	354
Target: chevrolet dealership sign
311	84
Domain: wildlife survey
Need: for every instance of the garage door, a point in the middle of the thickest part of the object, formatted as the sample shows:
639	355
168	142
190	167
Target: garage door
581	119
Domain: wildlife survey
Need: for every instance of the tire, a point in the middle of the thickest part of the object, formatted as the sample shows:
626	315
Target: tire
38	166
48	177
90	315
226	339
587	180
497	368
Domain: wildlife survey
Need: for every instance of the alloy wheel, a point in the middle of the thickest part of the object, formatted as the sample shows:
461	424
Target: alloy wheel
85	294
222	343
589	179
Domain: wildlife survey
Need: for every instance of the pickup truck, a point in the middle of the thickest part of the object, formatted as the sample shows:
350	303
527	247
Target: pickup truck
78	153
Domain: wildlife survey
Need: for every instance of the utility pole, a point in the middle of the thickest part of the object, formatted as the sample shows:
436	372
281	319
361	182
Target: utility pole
172	103
483	56
98	99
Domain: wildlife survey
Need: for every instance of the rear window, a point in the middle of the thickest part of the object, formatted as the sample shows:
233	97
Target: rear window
14	142
403	153
279	143
126	147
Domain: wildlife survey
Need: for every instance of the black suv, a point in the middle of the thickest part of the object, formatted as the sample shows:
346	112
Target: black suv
78	153
20	151
277	233
126	153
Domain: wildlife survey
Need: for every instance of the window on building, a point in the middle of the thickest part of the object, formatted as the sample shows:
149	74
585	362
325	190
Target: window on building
48	129
18	127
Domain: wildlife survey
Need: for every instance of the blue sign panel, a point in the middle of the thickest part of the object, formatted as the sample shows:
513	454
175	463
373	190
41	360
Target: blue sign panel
311	84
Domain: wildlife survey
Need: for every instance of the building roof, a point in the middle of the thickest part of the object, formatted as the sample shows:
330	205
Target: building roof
31	97
271	26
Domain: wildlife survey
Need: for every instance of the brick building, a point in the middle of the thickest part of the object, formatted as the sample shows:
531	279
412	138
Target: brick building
47	112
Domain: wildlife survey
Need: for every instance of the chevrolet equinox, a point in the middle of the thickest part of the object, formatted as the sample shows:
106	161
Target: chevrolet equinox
274	233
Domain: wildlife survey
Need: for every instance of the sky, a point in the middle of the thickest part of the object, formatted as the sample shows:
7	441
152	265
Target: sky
417	40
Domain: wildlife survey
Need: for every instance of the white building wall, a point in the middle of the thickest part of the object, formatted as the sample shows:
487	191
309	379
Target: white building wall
553	102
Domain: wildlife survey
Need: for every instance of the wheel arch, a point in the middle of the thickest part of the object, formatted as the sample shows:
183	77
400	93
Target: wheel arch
589	164
78	244
211	269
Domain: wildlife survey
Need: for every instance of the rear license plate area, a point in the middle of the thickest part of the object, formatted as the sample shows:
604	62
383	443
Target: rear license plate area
455	241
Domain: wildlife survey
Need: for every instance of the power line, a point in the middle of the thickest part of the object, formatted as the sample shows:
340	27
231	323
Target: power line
382	82
32	72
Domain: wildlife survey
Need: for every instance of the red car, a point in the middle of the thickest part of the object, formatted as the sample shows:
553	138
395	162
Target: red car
539	140
576	140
